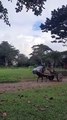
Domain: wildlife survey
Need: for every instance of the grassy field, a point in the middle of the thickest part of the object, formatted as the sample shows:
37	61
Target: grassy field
15	74
19	74
49	103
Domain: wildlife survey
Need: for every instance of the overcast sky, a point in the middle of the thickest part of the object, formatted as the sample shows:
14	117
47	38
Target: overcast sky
24	31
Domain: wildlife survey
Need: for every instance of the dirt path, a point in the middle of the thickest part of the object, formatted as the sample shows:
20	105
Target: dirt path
6	87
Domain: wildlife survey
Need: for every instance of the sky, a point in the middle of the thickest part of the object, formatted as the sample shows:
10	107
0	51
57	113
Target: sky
24	31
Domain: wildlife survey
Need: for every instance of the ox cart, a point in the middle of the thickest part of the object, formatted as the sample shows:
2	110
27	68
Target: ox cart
52	75
48	73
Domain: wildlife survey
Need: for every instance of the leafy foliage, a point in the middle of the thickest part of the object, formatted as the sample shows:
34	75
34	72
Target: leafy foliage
22	60
39	51
55	58
57	25
4	14
35	5
7	53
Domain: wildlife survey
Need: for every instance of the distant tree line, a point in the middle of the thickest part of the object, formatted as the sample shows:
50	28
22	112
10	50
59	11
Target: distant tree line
9	56
43	54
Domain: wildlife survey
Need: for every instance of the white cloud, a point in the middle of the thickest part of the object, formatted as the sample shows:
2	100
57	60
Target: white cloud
21	33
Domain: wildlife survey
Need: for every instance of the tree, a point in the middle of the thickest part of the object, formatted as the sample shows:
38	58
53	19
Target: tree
64	59
39	51
4	14
8	54
22	60
56	58
57	25
35	5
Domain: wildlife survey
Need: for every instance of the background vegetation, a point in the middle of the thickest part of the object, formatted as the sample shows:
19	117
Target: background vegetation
41	54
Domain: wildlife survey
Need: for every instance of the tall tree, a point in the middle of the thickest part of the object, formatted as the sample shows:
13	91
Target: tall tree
57	24
56	58
22	60
39	51
7	53
35	5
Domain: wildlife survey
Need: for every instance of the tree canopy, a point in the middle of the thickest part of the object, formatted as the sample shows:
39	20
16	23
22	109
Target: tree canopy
4	14
7	53
22	60
36	6
38	54
57	24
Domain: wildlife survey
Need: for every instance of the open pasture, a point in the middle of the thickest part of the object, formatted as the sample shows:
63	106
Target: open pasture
48	103
15	74
8	75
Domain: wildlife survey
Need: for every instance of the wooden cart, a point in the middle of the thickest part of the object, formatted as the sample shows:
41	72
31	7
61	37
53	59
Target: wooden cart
54	74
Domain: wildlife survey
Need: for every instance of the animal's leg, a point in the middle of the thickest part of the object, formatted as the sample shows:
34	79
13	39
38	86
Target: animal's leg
46	78
42	79
38	78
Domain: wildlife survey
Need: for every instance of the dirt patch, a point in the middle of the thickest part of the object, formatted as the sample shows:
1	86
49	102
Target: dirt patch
7	87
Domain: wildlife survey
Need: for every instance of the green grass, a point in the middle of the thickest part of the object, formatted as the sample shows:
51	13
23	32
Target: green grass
15	74
49	103
19	74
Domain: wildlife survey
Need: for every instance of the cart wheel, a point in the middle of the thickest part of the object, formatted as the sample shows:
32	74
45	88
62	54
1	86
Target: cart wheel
59	77
51	77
